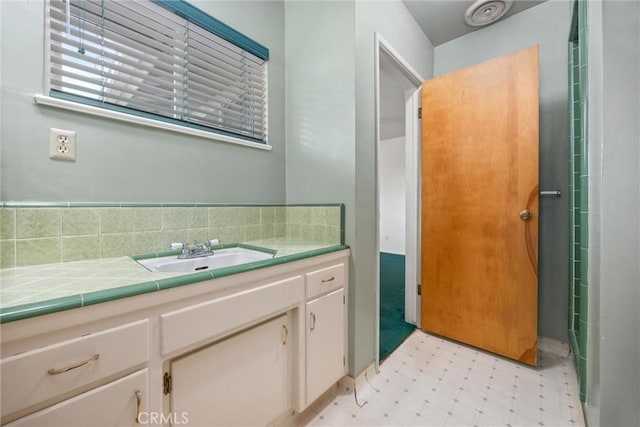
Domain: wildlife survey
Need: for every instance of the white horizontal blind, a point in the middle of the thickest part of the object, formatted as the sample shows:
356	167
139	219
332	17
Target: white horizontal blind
136	56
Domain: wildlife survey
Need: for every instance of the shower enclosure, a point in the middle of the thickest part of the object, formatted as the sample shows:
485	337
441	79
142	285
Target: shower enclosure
578	193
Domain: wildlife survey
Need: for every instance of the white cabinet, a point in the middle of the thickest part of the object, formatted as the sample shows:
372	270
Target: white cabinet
242	380
119	403
325	343
243	349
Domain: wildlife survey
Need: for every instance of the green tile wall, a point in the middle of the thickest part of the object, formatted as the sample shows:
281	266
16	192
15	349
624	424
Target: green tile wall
579	194
321	224
43	234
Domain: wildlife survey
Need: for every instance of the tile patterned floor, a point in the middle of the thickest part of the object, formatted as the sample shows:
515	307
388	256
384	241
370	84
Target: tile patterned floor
429	381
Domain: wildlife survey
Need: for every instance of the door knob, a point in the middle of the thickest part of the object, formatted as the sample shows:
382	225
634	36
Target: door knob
526	215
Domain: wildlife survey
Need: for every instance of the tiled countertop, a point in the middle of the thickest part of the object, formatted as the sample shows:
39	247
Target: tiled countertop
42	289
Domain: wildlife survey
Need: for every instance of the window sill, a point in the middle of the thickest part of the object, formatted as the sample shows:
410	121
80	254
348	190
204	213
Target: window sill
115	115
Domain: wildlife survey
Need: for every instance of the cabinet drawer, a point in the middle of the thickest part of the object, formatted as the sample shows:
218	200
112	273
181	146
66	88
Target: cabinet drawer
115	404
36	376
325	280
215	317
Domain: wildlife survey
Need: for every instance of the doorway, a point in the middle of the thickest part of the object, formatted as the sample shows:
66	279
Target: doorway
397	170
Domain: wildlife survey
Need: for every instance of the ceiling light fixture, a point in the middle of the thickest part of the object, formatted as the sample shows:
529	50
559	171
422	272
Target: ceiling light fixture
485	12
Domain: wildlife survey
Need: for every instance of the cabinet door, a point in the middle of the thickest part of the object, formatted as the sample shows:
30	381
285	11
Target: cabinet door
115	404
325	343
242	380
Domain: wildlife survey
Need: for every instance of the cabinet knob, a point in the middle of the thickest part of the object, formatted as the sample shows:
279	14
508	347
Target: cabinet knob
285	332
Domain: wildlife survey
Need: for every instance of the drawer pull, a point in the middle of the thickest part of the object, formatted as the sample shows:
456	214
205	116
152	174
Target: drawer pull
328	280
286	334
313	321
94	358
138	405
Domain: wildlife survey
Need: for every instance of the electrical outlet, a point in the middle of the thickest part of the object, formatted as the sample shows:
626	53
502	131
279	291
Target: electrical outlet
62	144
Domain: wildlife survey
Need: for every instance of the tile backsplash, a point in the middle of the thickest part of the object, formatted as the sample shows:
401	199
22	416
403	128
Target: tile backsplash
39	235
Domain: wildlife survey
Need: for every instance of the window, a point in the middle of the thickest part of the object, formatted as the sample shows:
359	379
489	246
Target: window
158	59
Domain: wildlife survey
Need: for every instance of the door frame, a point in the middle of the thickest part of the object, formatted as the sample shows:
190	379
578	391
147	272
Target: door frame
412	165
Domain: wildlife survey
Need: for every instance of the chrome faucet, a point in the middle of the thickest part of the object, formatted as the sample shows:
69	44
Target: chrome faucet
195	251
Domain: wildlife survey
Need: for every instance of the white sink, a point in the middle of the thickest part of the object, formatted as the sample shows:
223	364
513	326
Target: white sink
220	258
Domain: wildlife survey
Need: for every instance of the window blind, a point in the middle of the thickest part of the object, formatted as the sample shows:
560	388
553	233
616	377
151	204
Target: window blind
141	57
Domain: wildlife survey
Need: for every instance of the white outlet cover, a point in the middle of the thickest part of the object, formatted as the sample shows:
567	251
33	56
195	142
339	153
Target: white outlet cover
62	150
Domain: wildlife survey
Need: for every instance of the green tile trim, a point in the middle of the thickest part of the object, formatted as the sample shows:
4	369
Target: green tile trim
97	297
25	311
315	252
573	342
257	248
187	279
573	32
231	270
155	255
93	205
257	265
342	223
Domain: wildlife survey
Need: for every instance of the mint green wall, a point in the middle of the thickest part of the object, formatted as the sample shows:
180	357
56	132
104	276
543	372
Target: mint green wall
330	127
614	232
125	162
394	23
320	119
547	25
319	103
1	67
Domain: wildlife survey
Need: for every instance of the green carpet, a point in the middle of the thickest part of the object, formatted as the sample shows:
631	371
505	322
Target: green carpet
393	329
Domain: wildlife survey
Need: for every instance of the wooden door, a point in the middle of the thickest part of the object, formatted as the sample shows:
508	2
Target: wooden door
480	205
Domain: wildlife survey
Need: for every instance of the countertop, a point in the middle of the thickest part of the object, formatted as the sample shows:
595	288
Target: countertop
43	289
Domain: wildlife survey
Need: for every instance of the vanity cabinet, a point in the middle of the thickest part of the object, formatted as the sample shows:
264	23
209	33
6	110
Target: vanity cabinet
243	380
244	349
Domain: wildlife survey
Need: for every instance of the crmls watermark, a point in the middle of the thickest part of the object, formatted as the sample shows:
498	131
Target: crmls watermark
161	418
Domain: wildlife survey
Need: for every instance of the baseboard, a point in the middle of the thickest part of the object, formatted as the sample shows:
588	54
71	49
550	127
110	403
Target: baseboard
552	346
350	383
346	385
